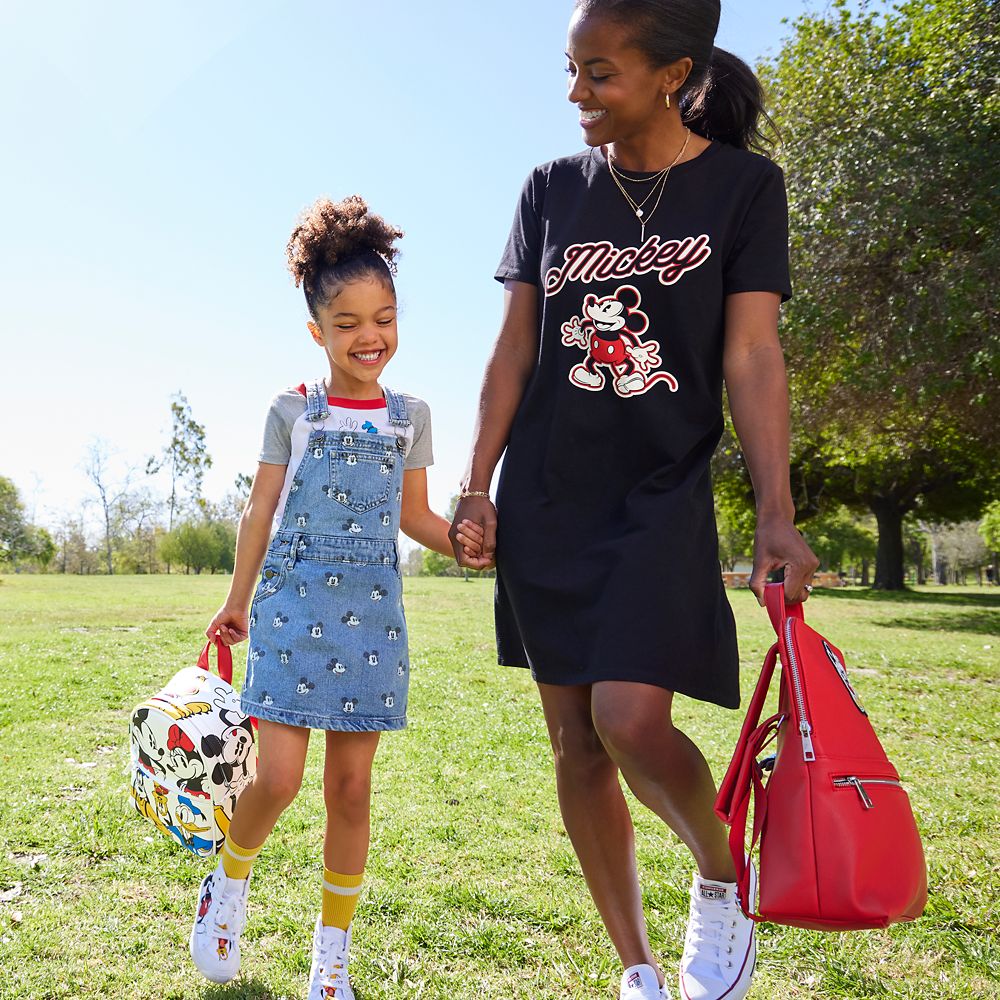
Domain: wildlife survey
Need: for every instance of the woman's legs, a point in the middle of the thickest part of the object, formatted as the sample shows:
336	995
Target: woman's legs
664	769
597	819
281	758
347	783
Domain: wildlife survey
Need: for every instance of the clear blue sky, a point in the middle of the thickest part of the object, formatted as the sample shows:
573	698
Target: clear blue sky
155	157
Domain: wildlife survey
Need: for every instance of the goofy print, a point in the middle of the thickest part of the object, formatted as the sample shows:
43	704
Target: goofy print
610	331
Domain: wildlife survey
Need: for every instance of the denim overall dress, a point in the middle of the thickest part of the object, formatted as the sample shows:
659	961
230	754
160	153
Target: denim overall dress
327	633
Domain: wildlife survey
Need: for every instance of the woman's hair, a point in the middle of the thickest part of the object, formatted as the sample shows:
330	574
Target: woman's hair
722	98
337	242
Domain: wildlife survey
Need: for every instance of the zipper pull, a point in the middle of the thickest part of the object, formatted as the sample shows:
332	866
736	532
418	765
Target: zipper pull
805	731
865	800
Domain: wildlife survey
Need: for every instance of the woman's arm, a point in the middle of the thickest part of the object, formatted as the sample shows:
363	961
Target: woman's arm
514	357
754	369
231	621
420	523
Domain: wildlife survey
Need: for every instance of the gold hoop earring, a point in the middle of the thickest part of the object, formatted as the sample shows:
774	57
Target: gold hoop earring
668	100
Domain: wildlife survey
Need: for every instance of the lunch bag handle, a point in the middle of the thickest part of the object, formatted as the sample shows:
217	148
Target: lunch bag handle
223	656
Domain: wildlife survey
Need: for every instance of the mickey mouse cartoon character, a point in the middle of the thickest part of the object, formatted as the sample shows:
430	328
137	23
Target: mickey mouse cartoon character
610	331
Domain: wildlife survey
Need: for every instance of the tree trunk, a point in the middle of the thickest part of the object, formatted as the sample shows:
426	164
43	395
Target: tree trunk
889	555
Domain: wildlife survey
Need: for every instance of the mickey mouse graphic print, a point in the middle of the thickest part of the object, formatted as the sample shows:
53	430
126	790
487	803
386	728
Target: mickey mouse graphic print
607	550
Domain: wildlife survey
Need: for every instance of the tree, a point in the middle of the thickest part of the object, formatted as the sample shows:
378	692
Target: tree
888	120
74	553
185	456
201	545
13	524
840	538
989	529
110	495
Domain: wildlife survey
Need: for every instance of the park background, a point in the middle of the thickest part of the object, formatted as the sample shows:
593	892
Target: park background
155	160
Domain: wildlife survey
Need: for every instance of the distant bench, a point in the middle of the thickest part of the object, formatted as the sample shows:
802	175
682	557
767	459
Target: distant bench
818	580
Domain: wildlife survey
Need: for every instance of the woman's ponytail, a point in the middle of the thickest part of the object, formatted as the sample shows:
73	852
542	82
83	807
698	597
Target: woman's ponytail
727	103
721	98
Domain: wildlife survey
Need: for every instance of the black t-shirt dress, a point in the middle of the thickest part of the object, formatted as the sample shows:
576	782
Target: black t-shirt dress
607	550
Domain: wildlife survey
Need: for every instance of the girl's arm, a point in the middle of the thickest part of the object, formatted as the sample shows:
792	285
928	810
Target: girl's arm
514	357
420	523
754	369
232	621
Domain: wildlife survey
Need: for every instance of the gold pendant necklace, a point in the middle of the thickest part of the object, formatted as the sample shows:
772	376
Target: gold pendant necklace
660	182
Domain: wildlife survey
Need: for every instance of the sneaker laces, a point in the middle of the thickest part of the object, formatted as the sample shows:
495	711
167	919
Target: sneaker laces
333	965
710	934
227	915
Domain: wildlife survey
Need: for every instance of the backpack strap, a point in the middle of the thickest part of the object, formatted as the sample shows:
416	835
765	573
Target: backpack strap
745	780
778	611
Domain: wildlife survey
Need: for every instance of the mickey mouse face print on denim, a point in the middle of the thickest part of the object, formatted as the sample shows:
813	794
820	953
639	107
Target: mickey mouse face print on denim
315	655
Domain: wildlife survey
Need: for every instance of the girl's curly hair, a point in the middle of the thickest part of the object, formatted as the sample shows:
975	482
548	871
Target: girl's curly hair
337	242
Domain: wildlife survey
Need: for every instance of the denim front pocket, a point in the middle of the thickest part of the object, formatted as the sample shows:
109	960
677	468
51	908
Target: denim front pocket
272	578
360	472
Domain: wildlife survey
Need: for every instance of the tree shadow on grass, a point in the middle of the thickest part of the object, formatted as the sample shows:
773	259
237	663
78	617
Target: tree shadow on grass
981	622
908	596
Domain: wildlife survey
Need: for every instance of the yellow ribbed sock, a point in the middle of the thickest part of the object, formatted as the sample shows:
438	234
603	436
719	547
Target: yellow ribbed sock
237	861
340	898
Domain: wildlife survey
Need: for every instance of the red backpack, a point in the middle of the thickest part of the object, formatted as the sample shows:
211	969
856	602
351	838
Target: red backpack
839	848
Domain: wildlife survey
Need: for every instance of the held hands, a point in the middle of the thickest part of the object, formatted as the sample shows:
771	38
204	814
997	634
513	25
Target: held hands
474	533
229	626
470	536
777	543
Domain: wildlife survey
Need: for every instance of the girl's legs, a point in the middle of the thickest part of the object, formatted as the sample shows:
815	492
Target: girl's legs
221	910
281	758
347	780
347	783
663	768
597	818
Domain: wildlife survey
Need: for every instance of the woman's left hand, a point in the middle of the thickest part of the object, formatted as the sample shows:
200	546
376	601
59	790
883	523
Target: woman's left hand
777	543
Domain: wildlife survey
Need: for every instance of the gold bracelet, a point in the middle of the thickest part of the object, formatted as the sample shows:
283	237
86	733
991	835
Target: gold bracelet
473	493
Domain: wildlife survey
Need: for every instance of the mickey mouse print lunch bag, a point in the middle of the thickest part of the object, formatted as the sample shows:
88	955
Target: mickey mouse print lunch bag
193	752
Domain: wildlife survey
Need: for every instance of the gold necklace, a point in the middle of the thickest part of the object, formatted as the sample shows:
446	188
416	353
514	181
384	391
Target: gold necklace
661	176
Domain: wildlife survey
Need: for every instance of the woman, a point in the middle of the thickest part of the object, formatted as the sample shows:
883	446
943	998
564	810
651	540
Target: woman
638	275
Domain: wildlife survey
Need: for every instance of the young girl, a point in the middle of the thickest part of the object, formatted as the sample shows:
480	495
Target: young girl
342	469
639	274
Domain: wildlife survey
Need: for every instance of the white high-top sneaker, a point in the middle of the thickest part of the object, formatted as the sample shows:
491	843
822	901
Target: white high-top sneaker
720	949
328	977
218	923
639	982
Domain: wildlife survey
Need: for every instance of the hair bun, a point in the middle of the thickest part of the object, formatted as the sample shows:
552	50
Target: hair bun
331	232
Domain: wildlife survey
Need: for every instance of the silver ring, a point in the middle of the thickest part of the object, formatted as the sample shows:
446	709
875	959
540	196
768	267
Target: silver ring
809	589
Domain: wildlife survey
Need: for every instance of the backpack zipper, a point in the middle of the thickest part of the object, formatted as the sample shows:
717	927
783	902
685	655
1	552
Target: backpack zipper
805	730
852	781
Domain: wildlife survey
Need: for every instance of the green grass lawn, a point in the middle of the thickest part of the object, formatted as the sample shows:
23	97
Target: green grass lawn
473	889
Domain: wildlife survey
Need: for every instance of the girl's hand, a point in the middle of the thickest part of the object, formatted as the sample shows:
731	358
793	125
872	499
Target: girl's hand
229	626
476	520
471	536
778	543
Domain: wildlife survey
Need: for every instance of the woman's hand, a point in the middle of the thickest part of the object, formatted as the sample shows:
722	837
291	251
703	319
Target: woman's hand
229	626
478	511
777	543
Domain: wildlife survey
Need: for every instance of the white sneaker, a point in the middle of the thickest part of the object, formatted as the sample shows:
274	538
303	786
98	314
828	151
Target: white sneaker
328	977
720	949
218	924
639	982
